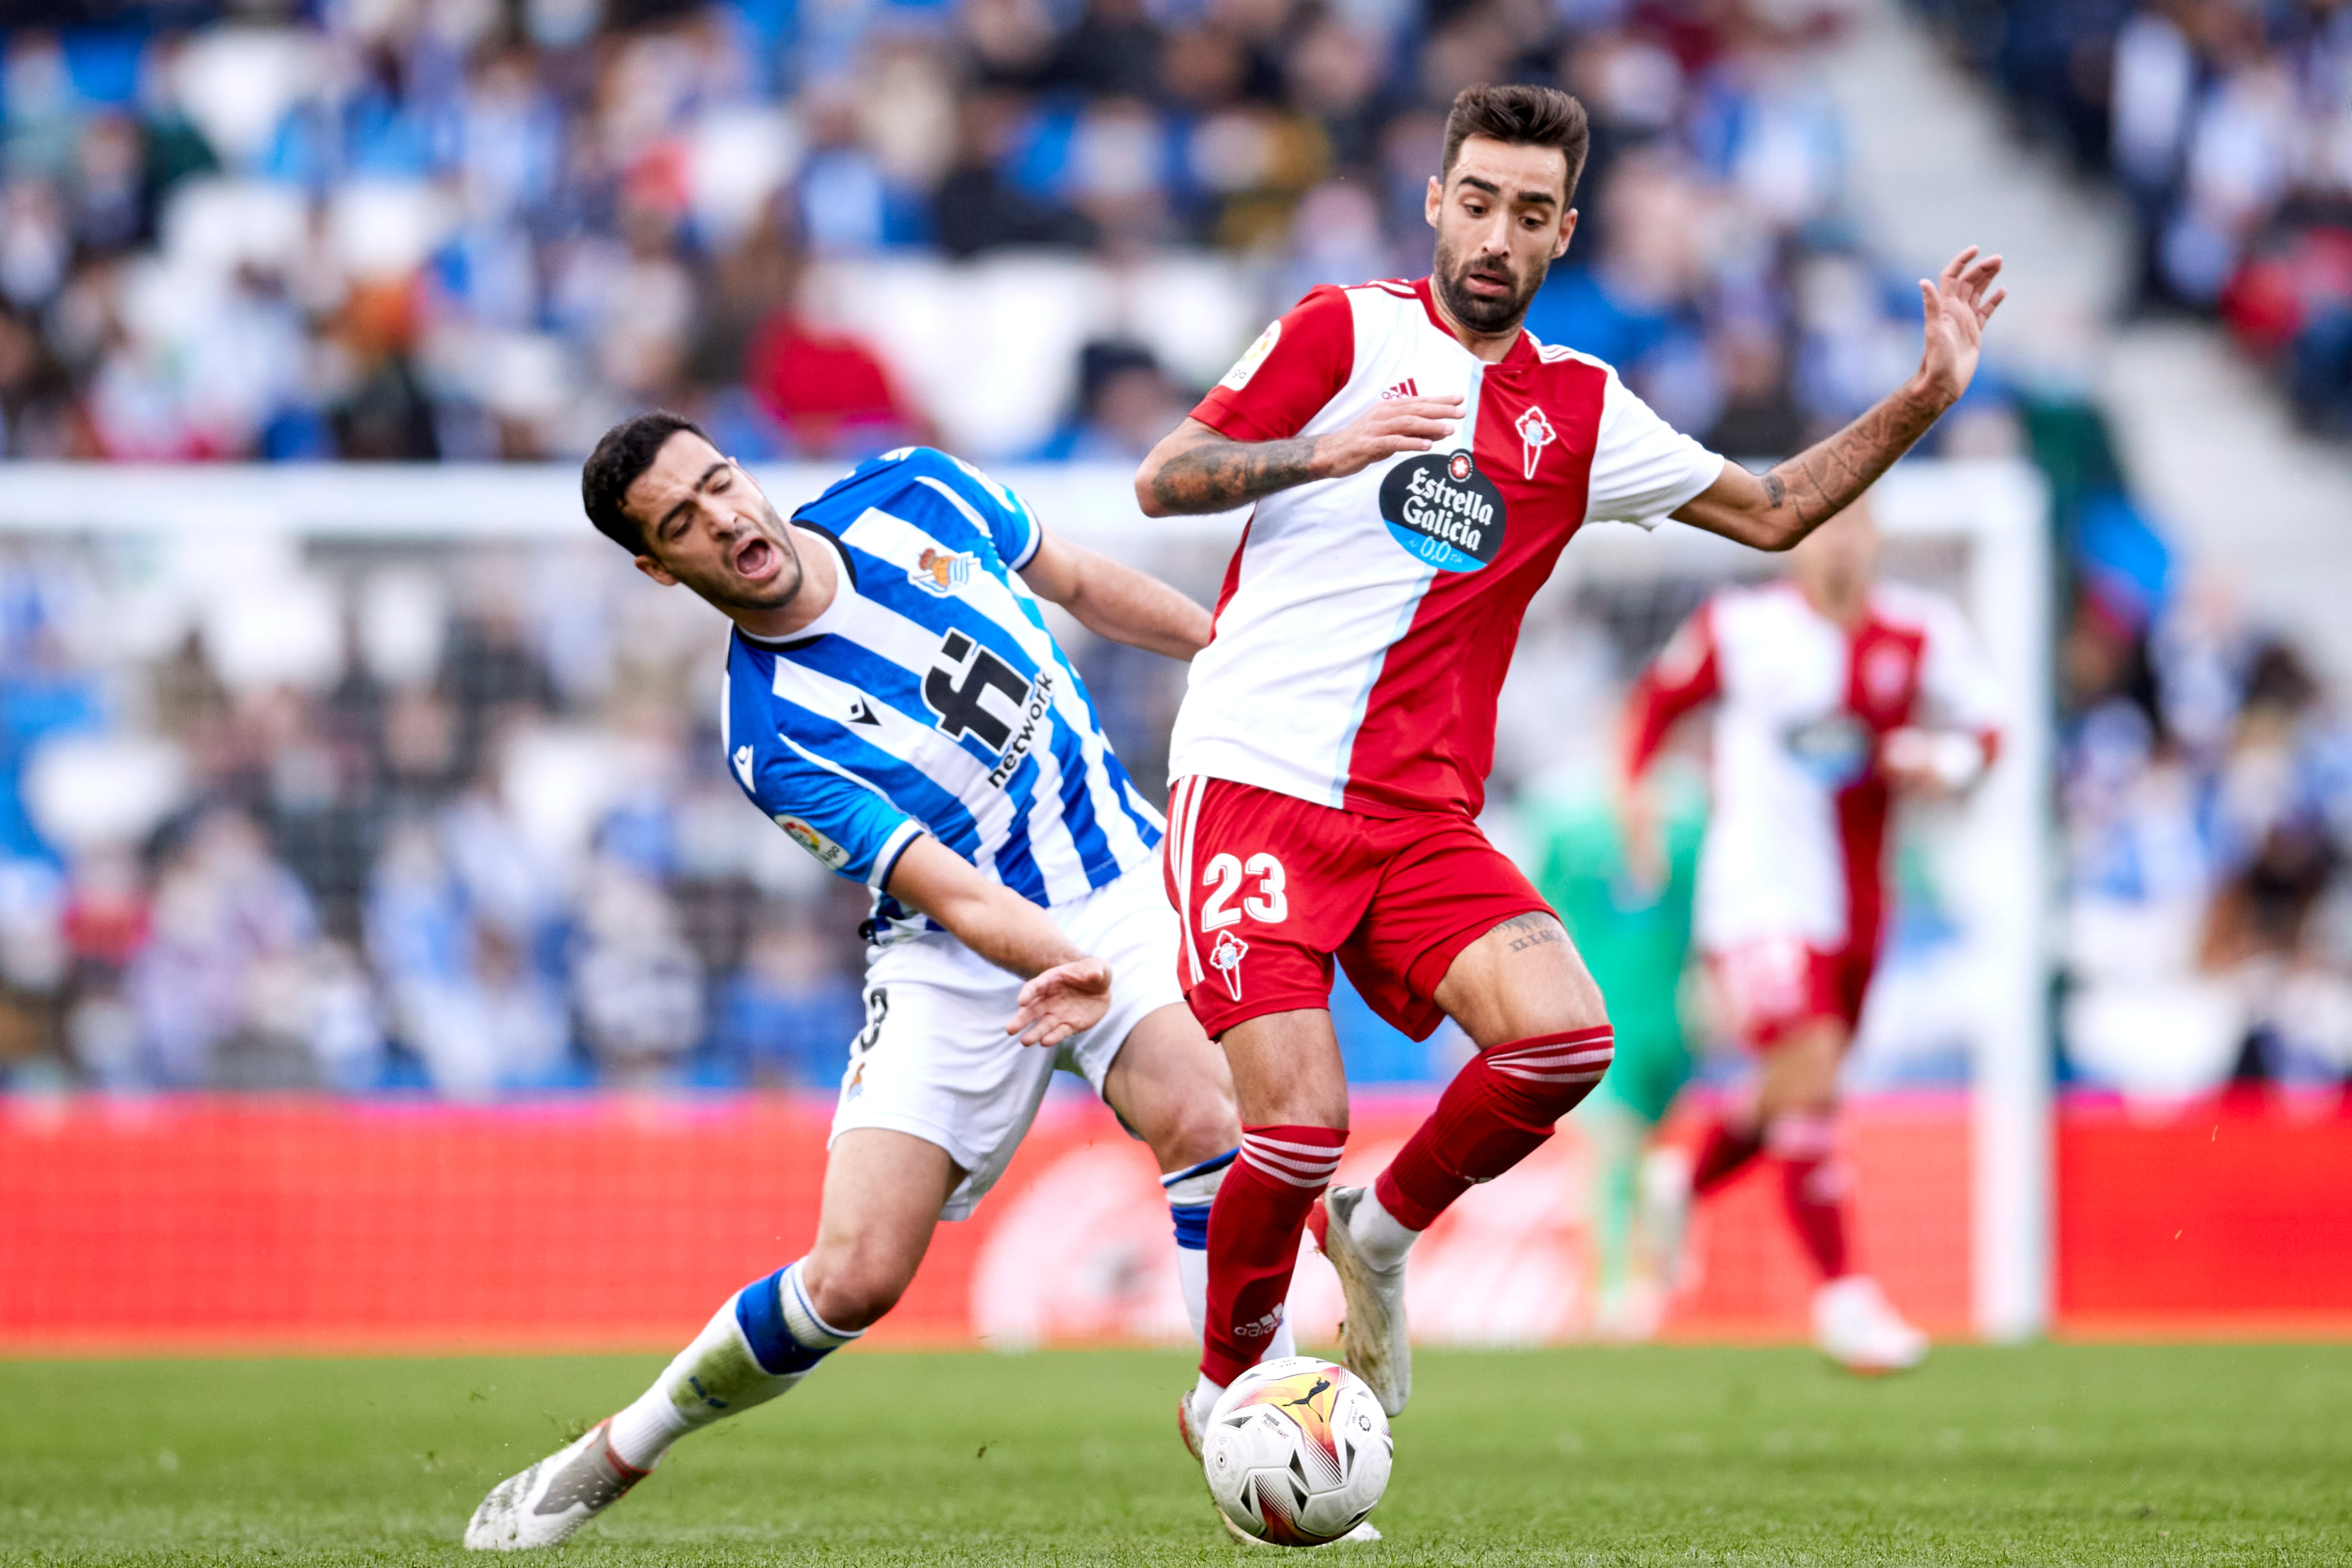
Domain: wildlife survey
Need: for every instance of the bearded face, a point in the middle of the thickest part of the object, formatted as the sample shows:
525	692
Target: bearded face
1485	292
1502	219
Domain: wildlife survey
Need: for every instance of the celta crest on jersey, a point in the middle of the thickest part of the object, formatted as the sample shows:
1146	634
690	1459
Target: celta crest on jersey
1535	434
940	574
1443	511
1226	957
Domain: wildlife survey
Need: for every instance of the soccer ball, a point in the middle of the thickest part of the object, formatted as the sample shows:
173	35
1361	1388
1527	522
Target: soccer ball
1298	1451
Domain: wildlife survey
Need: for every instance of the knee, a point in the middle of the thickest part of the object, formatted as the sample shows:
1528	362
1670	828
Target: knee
1197	1129
853	1287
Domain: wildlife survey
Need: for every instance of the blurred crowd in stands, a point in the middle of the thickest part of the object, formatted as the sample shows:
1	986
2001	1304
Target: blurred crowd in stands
483	229
2205	804
2228	124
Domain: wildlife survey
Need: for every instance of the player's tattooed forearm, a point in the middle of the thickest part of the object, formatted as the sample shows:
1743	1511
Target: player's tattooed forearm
1823	480
1532	931
1219	475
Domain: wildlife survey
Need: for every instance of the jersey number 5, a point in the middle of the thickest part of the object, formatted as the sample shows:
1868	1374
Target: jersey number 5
1266	906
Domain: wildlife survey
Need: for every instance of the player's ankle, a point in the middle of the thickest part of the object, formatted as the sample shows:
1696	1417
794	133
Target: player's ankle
1381	1237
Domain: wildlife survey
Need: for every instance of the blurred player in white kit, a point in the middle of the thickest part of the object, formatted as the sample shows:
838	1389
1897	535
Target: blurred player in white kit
1834	694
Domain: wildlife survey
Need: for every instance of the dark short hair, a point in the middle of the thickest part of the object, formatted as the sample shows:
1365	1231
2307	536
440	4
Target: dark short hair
1520	117
627	450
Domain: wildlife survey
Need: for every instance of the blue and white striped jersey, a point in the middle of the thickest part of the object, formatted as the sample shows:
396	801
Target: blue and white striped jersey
930	697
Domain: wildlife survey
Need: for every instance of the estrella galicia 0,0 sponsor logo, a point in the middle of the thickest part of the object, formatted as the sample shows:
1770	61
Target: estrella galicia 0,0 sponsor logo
1443	509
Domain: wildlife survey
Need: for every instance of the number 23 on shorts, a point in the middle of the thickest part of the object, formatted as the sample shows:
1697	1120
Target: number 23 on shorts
1265	902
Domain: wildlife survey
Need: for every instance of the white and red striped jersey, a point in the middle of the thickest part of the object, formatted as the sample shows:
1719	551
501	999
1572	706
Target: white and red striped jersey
1366	623
1796	843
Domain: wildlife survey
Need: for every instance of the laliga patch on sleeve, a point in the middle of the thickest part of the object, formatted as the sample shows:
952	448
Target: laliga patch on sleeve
829	854
1251	357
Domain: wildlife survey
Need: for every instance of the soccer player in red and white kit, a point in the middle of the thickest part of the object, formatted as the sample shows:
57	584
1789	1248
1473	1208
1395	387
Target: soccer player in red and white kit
1831	695
1418	462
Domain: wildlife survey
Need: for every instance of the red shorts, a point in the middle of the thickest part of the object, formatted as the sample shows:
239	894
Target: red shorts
1271	887
1775	987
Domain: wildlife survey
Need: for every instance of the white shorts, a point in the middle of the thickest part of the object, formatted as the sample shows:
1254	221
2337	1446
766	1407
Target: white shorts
934	1061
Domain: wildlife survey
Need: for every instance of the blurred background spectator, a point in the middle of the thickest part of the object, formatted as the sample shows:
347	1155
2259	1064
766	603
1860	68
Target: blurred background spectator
2227	125
468	229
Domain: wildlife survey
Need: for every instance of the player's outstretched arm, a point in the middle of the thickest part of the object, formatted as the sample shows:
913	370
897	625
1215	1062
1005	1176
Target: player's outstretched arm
1195	470
1067	991
1116	601
1774	509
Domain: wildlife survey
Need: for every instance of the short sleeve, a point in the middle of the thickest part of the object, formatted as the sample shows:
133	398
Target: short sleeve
1642	467
1283	380
1956	679
850	826
1012	526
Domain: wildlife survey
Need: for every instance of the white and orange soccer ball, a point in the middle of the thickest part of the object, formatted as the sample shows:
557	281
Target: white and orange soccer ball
1298	1451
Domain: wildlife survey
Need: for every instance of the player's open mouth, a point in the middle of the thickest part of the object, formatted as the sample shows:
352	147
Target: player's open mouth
1488	283
756	558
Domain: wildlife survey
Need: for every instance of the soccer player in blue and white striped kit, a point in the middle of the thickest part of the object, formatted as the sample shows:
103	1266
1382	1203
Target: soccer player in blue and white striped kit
895	704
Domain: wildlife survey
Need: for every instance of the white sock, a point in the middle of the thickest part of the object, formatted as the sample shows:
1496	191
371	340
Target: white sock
1379	1235
1192	1274
719	1374
1205	1397
1191	1192
1282	1341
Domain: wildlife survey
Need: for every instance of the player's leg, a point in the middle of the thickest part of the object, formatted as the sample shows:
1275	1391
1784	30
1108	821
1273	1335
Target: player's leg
883	1193
1172	1085
1528	1002
1291	1090
1796	1106
1264	887
1769	993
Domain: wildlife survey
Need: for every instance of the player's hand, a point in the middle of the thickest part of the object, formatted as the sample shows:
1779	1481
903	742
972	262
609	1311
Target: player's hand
1957	306
1061	1002
1391	426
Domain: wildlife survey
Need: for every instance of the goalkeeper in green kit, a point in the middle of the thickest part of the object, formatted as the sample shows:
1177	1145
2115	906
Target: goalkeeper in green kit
1632	924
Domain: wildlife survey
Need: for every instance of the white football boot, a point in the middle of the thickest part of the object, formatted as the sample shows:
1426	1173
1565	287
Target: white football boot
1860	1329
1372	1338
547	1503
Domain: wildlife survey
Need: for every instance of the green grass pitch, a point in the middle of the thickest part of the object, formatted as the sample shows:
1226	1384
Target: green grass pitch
2055	1454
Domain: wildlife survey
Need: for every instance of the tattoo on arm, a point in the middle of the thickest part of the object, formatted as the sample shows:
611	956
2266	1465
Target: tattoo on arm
1532	931
1217	475
1823	480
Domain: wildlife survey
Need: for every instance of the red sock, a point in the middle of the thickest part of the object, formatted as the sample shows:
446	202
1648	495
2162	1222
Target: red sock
1723	1153
1497	1110
1254	1228
1813	1187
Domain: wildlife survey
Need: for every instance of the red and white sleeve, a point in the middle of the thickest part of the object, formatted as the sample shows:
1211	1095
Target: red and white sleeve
1283	380
1683	676
1957	684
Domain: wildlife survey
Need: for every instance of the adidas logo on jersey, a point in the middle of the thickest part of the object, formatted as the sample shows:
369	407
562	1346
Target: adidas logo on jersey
1404	388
